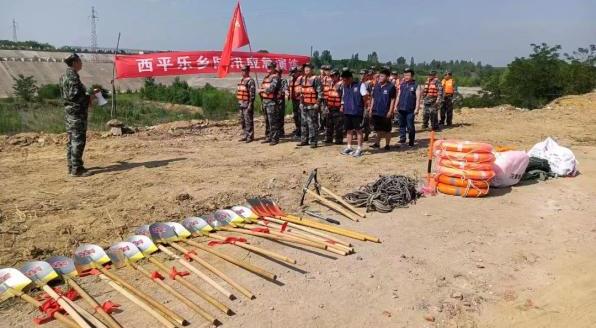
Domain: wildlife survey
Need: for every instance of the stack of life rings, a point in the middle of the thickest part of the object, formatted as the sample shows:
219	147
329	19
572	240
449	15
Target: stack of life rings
465	168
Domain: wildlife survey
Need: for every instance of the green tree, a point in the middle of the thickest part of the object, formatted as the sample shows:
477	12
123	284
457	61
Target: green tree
326	57
373	58
401	61
316	59
25	87
534	81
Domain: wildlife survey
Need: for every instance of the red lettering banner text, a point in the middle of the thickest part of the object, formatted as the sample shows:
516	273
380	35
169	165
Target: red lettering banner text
198	62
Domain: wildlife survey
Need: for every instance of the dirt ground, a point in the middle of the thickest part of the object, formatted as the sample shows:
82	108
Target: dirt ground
523	257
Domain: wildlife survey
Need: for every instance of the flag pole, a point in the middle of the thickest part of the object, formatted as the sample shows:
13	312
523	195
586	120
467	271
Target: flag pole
114	78
249	46
256	74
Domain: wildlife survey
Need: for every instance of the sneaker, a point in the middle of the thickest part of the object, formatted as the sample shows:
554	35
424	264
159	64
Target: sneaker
357	153
347	151
266	141
411	144
249	140
302	144
242	139
387	147
273	143
313	145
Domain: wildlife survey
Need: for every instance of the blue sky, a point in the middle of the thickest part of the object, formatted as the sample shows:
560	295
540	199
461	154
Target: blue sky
493	32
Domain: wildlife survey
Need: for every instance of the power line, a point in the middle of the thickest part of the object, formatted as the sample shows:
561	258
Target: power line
14	31
94	18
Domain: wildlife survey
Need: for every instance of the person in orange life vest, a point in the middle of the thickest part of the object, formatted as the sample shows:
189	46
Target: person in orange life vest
311	96
269	95
409	96
245	94
382	108
326	85
281	101
352	106
335	122
294	96
450	88
432	97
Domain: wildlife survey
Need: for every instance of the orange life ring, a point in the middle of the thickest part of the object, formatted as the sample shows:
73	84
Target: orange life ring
467	174
466	146
459	182
467	157
463	165
462	191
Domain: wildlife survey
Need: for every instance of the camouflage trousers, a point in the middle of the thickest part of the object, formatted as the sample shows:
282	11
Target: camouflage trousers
335	126
297	115
247	120
76	133
309	124
272	128
431	113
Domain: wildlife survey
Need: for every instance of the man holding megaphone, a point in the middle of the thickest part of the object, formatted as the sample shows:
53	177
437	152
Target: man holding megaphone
76	108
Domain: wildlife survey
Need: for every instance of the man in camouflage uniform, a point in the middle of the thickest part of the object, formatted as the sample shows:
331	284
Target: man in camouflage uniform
269	92
246	94
335	118
76	106
311	96
432	97
281	104
294	96
326	84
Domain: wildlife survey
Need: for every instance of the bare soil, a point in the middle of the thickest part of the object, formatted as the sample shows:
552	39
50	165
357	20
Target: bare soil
523	257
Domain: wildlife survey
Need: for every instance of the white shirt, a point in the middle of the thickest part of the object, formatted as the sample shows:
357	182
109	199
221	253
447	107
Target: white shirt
363	90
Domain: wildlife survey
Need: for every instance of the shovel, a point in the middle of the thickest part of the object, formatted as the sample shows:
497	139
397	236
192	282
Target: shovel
143	231
13	282
147	247
285	231
199	227
125	254
65	267
163	233
41	273
92	256
268	208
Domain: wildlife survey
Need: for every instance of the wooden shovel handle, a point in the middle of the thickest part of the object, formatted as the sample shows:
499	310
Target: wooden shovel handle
274	237
215	271
310	230
343	202
66	321
200	311
86	315
332	205
329	228
258	250
197	272
93	303
243	264
160	307
158	316
184	282
72	312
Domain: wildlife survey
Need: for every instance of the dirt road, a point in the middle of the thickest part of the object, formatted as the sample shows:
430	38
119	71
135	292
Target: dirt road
523	257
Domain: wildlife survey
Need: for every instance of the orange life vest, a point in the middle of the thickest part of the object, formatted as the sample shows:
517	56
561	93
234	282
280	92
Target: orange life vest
295	88
265	85
327	82
333	98
242	92
430	89
448	86
308	92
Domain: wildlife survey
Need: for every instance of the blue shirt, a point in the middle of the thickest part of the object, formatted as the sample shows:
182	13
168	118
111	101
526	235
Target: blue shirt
382	96
352	99
407	96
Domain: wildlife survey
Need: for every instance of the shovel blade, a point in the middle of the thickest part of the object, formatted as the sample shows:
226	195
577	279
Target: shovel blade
143	243
39	272
63	265
12	281
128	249
196	224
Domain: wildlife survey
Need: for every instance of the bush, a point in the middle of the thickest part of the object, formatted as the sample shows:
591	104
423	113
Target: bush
49	91
25	87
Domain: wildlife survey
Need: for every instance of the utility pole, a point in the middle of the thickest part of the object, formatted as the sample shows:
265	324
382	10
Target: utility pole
93	30
14	31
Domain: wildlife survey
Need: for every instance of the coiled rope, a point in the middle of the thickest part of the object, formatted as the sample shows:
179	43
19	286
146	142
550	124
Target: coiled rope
385	194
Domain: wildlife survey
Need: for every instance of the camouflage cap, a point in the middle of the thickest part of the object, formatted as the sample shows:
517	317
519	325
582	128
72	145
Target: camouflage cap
271	65
307	65
325	67
334	72
363	72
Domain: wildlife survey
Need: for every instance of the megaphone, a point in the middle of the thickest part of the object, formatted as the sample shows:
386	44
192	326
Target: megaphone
100	99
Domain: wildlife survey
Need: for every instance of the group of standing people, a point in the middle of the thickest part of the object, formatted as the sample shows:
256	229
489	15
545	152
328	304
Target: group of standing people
342	106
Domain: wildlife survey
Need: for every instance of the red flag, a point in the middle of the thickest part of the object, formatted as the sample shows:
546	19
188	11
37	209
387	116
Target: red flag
237	37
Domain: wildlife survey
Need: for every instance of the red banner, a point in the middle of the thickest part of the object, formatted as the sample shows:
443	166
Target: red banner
198	62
